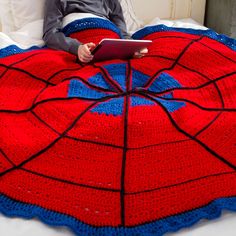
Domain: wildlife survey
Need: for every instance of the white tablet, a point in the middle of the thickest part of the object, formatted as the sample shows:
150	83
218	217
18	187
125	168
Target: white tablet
118	48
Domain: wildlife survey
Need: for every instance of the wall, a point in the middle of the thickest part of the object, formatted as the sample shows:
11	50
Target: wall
221	16
170	9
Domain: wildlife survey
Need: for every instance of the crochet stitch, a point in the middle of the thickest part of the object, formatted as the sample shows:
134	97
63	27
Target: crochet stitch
137	147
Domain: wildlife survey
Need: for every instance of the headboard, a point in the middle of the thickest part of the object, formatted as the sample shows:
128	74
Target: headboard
170	9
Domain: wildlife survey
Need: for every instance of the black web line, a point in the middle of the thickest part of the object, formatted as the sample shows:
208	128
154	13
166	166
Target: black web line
68	181
82	80
109	80
126	95
182	212
208	149
194	71
126	193
22	60
27	73
219	93
158	56
158	144
17	62
207	109
6	157
59	138
190	69
53	142
94	142
71	77
181	183
209	125
191	88
44	122
60	99
197	105
149	82
95	87
218	52
123	166
128	148
71	137
49	79
117	190
214	120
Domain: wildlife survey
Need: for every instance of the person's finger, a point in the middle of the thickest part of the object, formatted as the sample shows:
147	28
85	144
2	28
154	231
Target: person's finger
91	46
86	49
143	51
86	53
87	57
137	55
84	59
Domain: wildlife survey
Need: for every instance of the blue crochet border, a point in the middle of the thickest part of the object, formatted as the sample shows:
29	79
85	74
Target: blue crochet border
90	23
230	42
12	208
13	49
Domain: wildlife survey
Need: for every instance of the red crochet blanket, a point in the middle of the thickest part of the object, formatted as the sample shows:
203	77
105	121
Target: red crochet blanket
137	147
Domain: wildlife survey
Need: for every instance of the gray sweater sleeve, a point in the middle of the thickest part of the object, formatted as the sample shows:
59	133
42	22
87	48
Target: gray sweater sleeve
52	26
117	17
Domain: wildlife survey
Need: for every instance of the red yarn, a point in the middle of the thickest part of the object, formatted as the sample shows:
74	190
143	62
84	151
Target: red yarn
110	169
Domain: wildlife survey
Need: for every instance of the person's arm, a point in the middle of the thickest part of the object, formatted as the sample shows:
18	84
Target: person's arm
53	36
117	18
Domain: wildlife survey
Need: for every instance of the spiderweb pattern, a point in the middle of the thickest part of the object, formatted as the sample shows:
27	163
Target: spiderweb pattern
120	143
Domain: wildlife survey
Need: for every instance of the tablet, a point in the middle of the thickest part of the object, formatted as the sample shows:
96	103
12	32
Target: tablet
118	48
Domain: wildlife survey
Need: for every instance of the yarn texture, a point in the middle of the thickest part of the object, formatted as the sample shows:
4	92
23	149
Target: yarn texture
120	147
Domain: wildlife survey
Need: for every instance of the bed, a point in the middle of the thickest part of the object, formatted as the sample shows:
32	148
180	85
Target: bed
24	191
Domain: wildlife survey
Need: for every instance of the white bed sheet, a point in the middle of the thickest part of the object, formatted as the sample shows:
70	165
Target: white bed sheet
20	227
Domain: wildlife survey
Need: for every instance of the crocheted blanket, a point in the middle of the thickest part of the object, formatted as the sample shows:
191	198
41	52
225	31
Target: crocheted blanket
136	147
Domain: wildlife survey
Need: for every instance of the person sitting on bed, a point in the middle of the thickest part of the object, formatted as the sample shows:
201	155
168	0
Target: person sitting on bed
55	10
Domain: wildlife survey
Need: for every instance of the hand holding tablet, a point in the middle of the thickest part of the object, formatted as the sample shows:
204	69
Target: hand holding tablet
119	49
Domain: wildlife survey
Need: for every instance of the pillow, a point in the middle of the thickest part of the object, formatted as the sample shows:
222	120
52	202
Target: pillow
131	20
26	11
6	17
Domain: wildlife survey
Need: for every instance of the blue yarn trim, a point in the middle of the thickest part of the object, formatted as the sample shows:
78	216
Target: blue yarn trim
13	49
229	42
90	23
12	208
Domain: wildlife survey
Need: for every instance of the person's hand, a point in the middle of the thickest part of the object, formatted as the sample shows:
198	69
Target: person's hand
141	53
84	52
